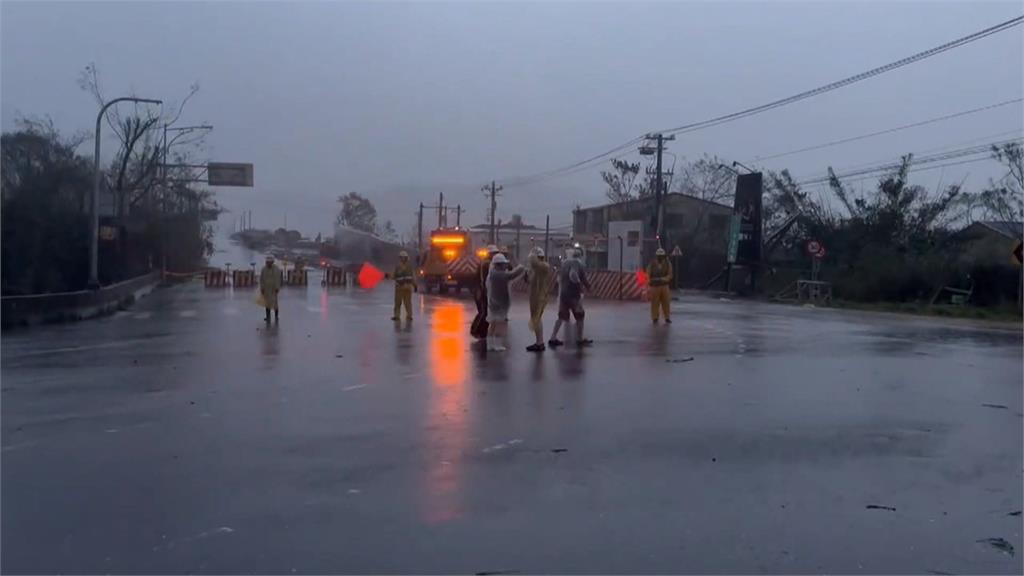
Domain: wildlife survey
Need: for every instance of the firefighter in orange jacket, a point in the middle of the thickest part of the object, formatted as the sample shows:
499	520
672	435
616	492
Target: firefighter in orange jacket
659	273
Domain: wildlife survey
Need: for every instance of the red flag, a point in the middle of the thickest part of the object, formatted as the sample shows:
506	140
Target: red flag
641	277
369	276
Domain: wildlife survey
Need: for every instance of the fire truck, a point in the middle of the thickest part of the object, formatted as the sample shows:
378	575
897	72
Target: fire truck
450	262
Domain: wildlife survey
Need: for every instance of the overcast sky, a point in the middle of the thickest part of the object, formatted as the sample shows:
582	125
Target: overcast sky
402	100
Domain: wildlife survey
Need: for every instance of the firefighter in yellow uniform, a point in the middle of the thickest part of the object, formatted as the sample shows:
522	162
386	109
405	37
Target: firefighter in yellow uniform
404	286
270	285
659	273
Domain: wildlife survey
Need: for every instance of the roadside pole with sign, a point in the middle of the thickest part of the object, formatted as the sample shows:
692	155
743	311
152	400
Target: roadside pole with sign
676	254
817	252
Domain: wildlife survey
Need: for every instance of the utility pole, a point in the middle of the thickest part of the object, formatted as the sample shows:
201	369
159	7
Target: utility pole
519	228
440	211
419	232
493	190
659	192
547	233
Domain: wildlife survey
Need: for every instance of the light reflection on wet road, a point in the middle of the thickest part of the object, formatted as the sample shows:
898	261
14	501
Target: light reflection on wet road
185	436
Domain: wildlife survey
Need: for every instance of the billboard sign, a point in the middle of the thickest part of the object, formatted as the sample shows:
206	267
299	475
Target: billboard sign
229	174
747	206
734	237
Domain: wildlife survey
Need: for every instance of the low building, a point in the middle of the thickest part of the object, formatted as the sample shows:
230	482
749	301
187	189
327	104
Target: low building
698	227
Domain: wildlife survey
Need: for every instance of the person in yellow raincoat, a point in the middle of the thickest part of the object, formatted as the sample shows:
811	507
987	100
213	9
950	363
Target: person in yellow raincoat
270	285
659	273
404	286
538	273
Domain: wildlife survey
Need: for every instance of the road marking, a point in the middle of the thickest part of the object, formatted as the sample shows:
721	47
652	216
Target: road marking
117	344
187	313
173	543
502	446
356	387
18	446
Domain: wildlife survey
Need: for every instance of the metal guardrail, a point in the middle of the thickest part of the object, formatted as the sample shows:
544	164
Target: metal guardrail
67	306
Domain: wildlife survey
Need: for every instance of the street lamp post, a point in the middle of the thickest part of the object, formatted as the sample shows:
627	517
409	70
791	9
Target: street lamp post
94	246
163	184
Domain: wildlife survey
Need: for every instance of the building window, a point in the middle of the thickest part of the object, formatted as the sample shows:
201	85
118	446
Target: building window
632	238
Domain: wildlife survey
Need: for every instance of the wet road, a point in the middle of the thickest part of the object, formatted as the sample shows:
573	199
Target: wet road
184	436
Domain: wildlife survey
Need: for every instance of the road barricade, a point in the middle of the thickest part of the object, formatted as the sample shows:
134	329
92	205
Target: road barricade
243	278
333	277
296	277
612	285
215	278
604	284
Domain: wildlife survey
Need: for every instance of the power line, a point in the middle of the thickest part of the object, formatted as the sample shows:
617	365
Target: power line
945	147
888	131
919	169
929	159
571	168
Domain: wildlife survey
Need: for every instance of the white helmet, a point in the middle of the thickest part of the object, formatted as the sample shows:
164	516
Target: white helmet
491	249
538	252
499	258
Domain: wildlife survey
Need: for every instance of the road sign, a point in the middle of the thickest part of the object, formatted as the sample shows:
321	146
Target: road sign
229	174
1017	253
813	246
820	254
676	251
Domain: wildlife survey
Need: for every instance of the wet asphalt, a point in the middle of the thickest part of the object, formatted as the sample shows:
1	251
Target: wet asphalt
184	435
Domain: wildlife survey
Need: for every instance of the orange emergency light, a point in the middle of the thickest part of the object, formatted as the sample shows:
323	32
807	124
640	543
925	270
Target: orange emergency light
448	240
482	253
449	253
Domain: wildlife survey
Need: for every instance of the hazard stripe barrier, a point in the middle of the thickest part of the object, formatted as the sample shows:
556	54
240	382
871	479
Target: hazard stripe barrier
604	284
333	277
243	278
296	277
464	265
215	278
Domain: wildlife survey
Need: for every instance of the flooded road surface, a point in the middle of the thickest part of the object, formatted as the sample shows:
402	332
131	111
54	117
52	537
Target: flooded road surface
184	435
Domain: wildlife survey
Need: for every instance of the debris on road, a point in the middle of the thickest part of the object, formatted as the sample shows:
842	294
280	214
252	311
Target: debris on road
999	544
999	406
678	360
338	356
1017	513
560	450
880	507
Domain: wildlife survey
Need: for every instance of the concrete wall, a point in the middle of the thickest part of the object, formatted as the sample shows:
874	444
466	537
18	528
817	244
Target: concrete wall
70	306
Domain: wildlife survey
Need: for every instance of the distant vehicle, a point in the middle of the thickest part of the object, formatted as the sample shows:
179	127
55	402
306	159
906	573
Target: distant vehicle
450	262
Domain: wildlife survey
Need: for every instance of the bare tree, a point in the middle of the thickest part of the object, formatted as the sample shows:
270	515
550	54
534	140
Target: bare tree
706	180
133	174
1003	200
621	180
